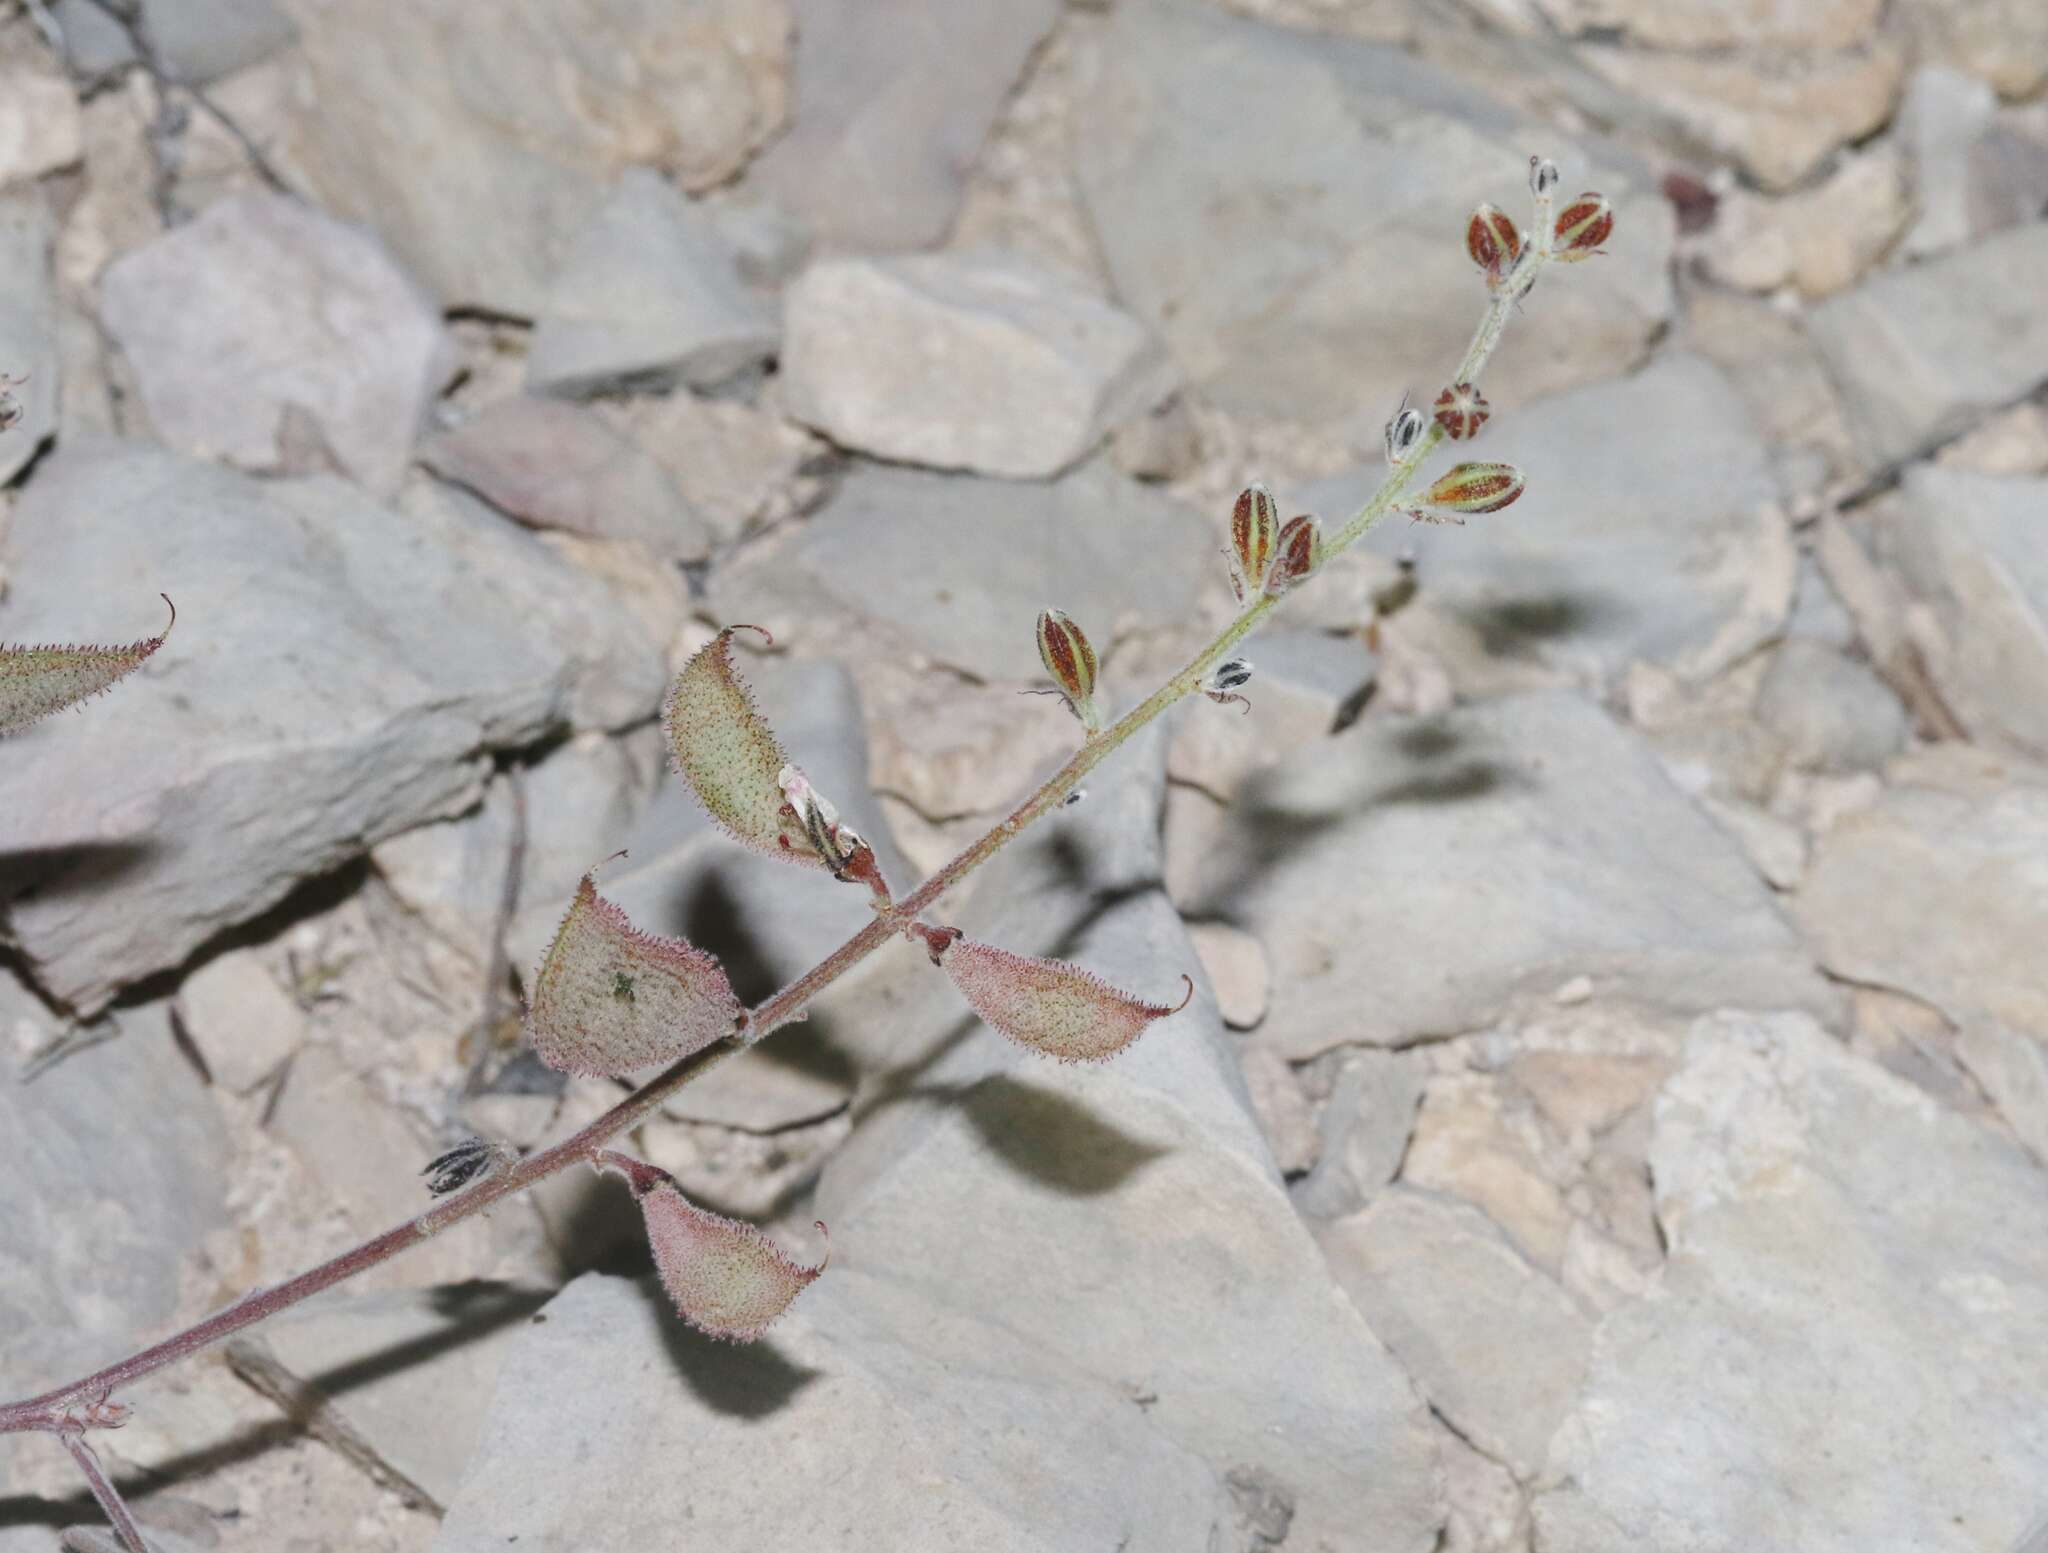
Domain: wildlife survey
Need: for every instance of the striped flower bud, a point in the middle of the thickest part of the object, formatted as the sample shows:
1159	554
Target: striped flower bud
1461	410
1470	488
1582	226
1301	552
1493	240
1065	651
1254	541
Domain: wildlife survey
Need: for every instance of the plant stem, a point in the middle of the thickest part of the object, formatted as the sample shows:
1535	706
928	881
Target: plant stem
111	1504
55	1409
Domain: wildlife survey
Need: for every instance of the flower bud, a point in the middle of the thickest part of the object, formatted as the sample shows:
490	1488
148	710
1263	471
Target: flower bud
1582	226
1493	241
1301	552
1070	660
1474	488
1403	432
1254	541
1461	410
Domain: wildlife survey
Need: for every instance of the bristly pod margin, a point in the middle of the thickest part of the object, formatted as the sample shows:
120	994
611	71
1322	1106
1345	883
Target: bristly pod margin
36	681
1048	1005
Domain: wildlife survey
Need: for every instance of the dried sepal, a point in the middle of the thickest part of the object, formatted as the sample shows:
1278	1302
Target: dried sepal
1300	553
1461	410
838	845
610	999
36	681
1404	432
1069	658
1582	226
1473	488
1047	1005
727	1279
1223	683
1493	241
1254	541
724	749
469	1160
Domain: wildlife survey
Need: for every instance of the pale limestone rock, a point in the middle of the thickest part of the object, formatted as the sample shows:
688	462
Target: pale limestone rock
1281	1108
41	128
1819	240
29	324
243	1022
1831	711
1723	24
1235	963
1364	1130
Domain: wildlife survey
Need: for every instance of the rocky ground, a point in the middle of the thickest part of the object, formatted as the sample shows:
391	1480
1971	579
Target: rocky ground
1614	1107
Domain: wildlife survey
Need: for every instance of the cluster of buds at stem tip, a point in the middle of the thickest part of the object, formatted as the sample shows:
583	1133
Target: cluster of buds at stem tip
1467	489
1267	557
1069	659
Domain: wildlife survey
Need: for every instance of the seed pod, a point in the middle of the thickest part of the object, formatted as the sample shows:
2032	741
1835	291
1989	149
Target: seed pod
727	1279
1461	410
1301	552
1471	488
609	999
36	681
1582	226
1048	1005
1069	659
1493	240
1254	541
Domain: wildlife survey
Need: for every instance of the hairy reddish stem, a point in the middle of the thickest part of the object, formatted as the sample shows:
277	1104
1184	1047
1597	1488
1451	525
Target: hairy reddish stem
111	1503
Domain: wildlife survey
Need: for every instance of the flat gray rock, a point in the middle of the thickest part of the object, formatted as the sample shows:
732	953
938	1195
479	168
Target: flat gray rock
1586	573
1922	353
339	673
1457	865
650	292
556	465
262	306
957	568
482	153
28	328
964	361
893	101
1775	1388
1968	548
198	40
1288	211
1831	710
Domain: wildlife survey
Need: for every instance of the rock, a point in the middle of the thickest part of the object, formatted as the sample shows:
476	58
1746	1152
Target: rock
1781	114
979	362
1966	547
1818	613
1821	1215
1476	1140
262	305
1236	966
116	1165
555	465
1310	271
244	1024
340	674
1364	1132
2013	1068
41	129
893	102
1944	844
1165	444
399	1382
1942	117
738	467
197	40
1817	240
1716	24
481	158
1776	847
1522	842
1498	1348
1304	681
1580	575
911	556
1282	1110
1833	713
1920	353
2015	443
1487	1509
2004	42
28	329
649	293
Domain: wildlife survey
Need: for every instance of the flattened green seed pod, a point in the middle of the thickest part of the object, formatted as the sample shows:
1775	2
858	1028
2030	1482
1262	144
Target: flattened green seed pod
1048	1005
36	681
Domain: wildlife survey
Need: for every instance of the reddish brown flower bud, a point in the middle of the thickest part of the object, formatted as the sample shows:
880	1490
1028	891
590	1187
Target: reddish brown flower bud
1064	649
1472	488
1582	226
1254	541
1493	240
1300	553
1461	410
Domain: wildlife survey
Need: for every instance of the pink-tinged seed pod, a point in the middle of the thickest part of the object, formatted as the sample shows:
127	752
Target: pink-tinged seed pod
1461	410
1047	1005
727	1279
1493	240
1301	552
609	999
1582	226
1471	488
36	681
1254	541
1064	649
